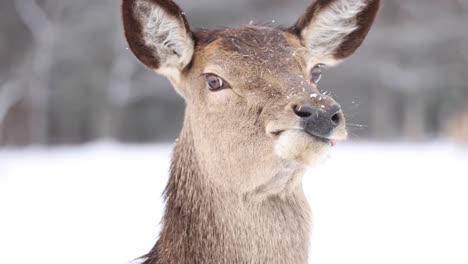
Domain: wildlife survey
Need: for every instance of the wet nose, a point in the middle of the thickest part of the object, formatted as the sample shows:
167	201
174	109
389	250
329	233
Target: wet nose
320	121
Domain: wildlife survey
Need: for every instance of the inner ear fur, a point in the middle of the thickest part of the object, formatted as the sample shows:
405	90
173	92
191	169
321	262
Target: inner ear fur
158	34
334	29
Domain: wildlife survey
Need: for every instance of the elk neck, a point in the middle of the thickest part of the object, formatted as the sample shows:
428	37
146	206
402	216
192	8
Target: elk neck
204	223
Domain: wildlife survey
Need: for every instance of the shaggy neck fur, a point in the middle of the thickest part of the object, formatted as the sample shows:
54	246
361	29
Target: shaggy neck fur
203	224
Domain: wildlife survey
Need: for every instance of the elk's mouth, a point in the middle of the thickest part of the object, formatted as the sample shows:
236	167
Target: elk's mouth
297	145
328	141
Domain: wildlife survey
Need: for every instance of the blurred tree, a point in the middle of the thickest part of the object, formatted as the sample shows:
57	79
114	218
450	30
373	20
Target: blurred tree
66	76
44	37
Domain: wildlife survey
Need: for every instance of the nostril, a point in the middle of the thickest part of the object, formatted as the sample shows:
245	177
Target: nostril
336	118
303	111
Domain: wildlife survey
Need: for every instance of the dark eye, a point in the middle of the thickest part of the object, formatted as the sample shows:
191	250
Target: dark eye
215	83
316	73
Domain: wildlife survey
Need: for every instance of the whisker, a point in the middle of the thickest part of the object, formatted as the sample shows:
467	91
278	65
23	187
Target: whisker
357	125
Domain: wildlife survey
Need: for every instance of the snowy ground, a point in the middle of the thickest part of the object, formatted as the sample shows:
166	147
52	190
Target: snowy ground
99	204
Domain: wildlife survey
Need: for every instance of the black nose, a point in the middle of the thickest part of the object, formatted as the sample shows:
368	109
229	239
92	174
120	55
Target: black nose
320	121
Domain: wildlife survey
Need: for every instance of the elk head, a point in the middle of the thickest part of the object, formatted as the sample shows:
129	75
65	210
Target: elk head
254	113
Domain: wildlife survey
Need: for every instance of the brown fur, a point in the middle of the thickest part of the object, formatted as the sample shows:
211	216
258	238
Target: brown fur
205	224
235	193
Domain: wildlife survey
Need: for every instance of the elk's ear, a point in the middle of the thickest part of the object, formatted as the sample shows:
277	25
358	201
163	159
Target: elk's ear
332	30
158	34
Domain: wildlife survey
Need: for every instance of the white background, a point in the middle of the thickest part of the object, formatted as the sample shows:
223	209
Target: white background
372	203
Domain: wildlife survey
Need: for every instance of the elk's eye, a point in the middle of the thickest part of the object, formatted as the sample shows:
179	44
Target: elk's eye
215	83
316	73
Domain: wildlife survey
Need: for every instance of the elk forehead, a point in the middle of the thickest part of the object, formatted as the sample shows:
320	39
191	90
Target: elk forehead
260	43
257	47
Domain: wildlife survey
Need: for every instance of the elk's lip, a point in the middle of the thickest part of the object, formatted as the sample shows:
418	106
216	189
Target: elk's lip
332	142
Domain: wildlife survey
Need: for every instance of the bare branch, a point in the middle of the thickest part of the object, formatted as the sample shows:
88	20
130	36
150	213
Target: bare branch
44	33
119	88
34	18
9	96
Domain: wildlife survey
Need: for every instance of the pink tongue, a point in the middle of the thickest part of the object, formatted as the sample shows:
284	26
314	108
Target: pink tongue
333	143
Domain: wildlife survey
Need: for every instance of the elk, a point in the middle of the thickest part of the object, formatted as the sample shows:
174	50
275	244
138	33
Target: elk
254	122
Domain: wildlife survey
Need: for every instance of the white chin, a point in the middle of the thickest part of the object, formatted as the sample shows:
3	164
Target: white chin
296	145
